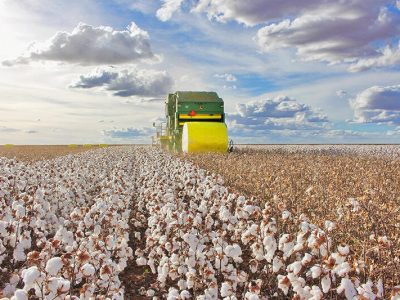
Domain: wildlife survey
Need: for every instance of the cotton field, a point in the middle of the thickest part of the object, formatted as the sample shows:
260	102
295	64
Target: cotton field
74	226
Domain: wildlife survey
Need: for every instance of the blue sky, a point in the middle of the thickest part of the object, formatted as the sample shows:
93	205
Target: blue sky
97	71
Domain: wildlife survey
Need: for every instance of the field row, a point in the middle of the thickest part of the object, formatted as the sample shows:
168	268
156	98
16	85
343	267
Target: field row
65	226
388	151
358	193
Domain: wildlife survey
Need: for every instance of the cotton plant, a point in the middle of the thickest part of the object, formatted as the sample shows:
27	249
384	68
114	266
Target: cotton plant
246	245
65	231
64	225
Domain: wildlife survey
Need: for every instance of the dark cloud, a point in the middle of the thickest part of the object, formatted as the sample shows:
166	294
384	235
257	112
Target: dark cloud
377	104
89	45
256	11
387	57
31	131
337	32
126	83
332	31
5	129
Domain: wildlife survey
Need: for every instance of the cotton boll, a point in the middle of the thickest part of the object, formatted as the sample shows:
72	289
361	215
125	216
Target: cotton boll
54	265
63	285
286	215
253	265
19	211
355	205
344	251
141	261
185	295
295	267
330	226
8	291
326	284
316	271
20	295
384	242
19	253
182	284
277	264
190	280
342	269
88	270
251	296
380	288
306	259
365	290
270	246
173	294
3	226
14	279
347	287
30	276
258	251
226	289
150	293
316	293
234	251
283	284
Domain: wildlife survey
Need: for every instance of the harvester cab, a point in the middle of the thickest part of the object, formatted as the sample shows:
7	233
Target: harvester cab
195	122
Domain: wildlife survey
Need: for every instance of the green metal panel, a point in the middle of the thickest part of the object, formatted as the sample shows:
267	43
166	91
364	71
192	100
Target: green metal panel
183	102
198	97
200	102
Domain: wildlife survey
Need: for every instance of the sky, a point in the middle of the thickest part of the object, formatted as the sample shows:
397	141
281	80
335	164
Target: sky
304	71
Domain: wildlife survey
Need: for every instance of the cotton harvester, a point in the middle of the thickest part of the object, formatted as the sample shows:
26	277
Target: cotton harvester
195	122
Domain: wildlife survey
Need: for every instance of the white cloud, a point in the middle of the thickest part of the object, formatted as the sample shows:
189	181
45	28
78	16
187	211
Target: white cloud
144	6
377	104
339	32
127	82
229	87
168	8
89	45
226	76
341	94
279	113
128	133
387	57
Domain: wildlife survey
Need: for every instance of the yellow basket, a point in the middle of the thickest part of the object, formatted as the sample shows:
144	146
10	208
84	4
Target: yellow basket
204	137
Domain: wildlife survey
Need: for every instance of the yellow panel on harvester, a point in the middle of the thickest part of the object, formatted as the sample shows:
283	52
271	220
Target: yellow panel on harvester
204	137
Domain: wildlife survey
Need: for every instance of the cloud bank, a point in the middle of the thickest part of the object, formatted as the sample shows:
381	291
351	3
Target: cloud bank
128	133
127	82
332	31
89	45
377	104
337	32
280	113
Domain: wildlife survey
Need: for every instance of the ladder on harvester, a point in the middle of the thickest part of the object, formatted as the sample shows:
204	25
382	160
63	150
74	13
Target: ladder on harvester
230	146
